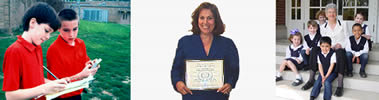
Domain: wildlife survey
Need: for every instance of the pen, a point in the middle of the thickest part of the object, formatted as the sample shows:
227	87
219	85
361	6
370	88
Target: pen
50	73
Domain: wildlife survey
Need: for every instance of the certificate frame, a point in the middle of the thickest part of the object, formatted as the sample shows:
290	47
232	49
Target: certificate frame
204	74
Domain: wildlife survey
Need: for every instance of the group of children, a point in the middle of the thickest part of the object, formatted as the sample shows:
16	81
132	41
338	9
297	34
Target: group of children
66	57
324	57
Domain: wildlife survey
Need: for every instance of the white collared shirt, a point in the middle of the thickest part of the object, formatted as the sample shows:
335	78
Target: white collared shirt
332	59
367	31
288	53
338	34
305	42
348	47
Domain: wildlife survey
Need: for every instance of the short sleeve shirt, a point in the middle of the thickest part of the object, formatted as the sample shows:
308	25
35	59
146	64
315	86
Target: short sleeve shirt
65	60
22	66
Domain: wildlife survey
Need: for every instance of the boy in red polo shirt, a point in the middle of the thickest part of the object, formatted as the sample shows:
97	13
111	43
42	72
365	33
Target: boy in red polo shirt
67	56
22	65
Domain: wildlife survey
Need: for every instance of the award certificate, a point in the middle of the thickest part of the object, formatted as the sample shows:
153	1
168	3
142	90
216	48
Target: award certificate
204	74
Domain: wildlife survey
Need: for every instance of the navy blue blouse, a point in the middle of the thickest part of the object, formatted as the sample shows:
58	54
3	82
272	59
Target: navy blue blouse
191	47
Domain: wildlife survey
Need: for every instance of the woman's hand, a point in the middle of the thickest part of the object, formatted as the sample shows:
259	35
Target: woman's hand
225	89
337	46
182	88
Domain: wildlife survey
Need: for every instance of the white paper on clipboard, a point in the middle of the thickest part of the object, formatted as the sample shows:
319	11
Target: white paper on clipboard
77	85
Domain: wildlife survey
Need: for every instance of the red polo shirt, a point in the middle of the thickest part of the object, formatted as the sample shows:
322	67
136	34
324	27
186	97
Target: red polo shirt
22	66
64	60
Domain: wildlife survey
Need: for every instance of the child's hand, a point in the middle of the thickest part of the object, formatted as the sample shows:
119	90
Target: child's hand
366	36
323	80
54	86
307	51
353	59
87	70
357	60
67	79
298	61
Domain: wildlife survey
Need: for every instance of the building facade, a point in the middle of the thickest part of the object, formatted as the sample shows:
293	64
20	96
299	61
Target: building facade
298	12
11	13
117	11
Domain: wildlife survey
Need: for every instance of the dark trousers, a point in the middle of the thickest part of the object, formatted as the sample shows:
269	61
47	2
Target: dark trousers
369	43
313	58
205	95
341	63
78	97
305	57
327	86
363	61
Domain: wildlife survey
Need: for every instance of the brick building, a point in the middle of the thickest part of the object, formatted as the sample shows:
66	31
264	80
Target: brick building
116	11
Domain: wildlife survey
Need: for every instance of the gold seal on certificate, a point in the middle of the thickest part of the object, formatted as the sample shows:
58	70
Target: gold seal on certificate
204	74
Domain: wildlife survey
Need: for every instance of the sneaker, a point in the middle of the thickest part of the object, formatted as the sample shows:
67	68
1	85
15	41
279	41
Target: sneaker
297	82
307	86
312	98
363	74
339	92
279	78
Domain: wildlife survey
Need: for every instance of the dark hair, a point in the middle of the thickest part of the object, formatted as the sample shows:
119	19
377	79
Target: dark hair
360	14
67	15
296	34
312	23
43	13
219	27
325	39
357	25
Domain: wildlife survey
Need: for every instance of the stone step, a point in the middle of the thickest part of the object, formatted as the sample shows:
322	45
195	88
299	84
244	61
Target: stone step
371	68
369	84
281	46
285	91
281	32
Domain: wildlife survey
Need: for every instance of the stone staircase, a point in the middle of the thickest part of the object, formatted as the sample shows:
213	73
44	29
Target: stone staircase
355	88
281	32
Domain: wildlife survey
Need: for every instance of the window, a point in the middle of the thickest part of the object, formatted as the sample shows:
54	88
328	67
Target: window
74	0
124	16
296	9
351	7
316	5
95	15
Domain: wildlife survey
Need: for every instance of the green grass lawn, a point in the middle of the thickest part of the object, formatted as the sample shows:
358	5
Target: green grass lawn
108	41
